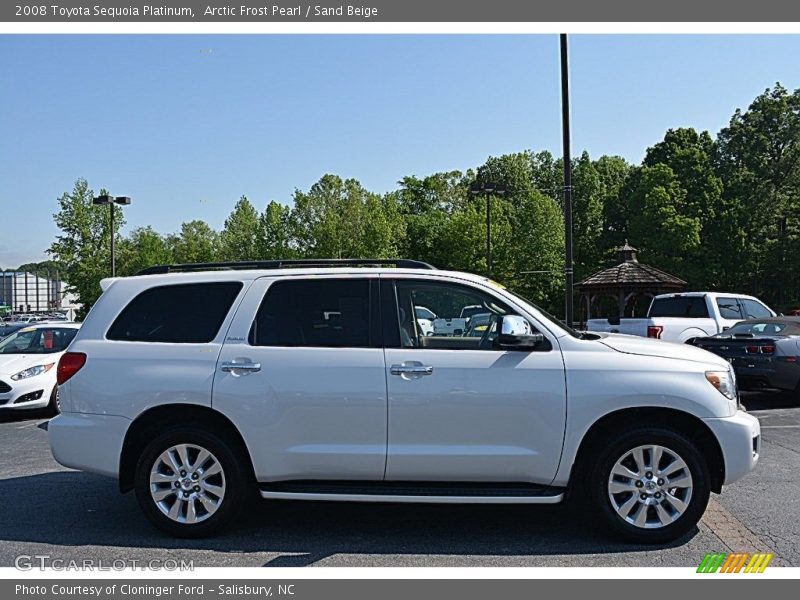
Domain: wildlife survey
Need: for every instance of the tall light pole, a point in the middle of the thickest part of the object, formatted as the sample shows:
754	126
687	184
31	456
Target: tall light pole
111	201
488	190
568	261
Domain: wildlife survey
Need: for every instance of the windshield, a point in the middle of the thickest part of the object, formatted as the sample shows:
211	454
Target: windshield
45	340
756	328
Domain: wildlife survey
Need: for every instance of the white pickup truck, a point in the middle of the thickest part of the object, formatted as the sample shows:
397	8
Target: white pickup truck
679	317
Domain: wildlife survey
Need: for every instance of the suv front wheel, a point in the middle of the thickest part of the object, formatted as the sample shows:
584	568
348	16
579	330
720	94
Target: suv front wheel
651	485
190	483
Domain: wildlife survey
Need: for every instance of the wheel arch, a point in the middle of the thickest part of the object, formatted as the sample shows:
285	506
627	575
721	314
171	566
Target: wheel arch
691	332
683	422
153	421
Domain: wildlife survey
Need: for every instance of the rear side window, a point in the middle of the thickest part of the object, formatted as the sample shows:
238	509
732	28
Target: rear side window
327	313
189	313
679	306
755	310
729	308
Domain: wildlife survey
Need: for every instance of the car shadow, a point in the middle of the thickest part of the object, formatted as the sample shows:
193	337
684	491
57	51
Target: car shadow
70	508
17	416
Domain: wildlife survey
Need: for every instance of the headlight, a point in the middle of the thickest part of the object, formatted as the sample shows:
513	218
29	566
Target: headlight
725	382
32	372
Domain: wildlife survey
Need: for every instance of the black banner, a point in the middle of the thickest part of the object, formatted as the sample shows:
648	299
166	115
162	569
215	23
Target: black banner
401	11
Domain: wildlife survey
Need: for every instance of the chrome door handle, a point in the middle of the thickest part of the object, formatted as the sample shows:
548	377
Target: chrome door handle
410	370
230	367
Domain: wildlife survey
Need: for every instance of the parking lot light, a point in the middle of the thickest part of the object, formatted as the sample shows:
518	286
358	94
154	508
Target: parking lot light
488	189
111	201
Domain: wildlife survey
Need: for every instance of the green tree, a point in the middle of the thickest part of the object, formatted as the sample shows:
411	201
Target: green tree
659	222
275	233
758	159
587	217
547	175
143	247
239	239
196	242
47	269
83	245
539	237
340	219
528	227
425	206
613	172
689	155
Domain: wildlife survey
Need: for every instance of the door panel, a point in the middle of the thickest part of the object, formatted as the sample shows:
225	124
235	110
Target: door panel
478	416
459	413
307	412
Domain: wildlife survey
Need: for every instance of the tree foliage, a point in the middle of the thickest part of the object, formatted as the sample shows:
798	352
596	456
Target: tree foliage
83	246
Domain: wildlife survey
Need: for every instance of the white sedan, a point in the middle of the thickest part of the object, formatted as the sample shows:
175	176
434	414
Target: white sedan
28	365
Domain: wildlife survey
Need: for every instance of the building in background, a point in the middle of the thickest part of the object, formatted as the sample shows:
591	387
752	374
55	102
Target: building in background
23	292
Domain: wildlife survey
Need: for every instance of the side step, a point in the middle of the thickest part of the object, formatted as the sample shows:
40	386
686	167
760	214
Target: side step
413	491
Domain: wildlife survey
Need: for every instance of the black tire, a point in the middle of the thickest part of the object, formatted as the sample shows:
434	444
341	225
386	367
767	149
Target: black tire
237	480
794	396
52	406
598	473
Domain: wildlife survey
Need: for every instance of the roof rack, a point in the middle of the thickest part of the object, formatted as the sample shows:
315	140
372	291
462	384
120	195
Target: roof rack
400	263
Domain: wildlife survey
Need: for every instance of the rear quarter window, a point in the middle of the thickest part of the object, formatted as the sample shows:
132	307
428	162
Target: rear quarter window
189	313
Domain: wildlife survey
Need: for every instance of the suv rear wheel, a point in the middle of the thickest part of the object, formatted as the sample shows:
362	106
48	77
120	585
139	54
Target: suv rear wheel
651	485
190	483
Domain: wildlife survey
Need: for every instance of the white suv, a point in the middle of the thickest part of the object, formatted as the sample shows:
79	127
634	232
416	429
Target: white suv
194	385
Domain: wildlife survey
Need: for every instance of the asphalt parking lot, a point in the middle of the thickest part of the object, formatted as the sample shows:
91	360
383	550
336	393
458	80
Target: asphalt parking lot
75	516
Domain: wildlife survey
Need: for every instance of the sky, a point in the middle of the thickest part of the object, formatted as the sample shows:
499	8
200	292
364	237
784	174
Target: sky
186	124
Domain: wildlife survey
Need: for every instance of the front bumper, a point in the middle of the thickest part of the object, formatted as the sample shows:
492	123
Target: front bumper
88	442
33	392
739	439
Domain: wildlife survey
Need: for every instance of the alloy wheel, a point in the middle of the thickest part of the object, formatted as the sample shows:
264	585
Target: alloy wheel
187	483
650	486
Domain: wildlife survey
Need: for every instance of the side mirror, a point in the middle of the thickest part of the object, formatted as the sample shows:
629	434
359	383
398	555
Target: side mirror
516	334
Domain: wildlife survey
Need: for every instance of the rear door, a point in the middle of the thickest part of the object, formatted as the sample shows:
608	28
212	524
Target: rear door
459	409
301	374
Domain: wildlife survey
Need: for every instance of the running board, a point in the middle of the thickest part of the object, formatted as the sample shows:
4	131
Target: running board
413	491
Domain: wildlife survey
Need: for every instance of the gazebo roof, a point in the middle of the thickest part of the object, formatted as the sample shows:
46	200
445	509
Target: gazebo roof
630	274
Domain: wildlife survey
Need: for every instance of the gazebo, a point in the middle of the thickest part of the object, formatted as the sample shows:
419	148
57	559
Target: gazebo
625	284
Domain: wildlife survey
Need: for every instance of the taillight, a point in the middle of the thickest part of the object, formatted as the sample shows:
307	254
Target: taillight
760	349
70	363
654	331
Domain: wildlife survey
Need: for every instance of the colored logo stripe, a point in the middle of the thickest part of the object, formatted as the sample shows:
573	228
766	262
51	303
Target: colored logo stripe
711	563
734	562
758	563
